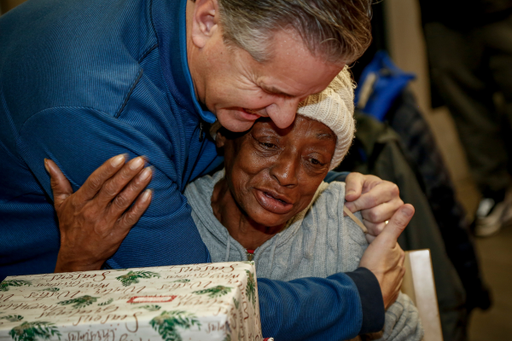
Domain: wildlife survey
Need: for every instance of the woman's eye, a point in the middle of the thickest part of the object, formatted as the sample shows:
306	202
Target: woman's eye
316	162
268	145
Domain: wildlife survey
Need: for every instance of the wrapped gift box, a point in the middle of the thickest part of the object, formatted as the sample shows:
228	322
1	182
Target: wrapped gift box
216	301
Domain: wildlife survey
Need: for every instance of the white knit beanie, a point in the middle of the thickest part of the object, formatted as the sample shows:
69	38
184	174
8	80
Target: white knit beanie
334	107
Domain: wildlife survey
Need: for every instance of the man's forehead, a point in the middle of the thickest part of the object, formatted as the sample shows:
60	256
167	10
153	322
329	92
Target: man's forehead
293	70
293	86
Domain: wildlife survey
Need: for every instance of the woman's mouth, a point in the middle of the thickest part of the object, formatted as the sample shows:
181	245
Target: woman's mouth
272	202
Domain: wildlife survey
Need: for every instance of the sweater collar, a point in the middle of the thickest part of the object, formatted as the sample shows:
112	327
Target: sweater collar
169	20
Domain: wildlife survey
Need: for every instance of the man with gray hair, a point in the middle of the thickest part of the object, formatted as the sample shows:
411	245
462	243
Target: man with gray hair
81	81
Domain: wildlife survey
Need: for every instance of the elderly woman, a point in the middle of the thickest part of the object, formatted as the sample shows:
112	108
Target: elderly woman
270	204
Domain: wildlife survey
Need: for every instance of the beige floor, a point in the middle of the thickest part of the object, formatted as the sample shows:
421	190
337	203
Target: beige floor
496	259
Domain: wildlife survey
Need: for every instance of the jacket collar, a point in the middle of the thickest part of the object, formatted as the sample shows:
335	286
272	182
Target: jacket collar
169	20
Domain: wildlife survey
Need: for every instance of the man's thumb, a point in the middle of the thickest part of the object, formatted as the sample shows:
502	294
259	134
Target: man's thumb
399	221
61	187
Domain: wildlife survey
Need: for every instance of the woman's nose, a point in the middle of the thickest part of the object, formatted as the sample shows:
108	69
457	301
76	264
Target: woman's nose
284	170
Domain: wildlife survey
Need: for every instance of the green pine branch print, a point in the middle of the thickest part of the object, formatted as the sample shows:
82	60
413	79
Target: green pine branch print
32	331
12	318
167	322
132	277
80	302
217	291
251	287
4	286
51	289
106	302
149	307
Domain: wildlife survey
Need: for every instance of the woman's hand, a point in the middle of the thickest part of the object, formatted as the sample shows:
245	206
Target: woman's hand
95	219
377	199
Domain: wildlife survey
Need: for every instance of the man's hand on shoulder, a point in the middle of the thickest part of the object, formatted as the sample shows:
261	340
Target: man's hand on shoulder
385	258
377	200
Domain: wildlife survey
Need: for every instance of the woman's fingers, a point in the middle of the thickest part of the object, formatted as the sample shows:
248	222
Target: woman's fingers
131	191
61	187
117	182
132	216
97	179
94	220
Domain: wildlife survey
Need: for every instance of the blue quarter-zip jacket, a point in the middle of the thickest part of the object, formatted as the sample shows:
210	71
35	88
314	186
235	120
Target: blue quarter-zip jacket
82	81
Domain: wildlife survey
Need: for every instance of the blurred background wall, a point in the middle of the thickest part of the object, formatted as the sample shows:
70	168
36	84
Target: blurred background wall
407	49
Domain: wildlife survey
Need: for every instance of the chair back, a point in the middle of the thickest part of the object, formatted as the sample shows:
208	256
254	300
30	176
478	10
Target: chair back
419	285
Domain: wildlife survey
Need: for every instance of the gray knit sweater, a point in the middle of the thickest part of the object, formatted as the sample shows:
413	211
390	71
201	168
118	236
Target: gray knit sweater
318	243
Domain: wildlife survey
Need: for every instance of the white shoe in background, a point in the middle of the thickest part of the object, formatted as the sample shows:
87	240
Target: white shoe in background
491	215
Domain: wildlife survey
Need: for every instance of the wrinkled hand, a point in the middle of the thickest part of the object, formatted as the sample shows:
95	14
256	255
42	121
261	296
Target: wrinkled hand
95	219
385	258
377	200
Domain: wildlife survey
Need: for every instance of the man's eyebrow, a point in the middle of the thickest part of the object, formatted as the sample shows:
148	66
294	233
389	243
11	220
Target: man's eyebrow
274	90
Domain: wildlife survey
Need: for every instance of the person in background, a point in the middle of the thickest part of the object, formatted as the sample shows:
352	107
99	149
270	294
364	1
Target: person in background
82	81
469	48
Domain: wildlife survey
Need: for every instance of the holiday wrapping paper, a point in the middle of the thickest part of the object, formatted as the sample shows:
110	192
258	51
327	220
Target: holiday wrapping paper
215	301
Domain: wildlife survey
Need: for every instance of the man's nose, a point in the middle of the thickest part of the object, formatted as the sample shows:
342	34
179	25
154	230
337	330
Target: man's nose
284	170
283	112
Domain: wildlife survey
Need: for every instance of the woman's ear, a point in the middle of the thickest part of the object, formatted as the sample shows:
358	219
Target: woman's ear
220	139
